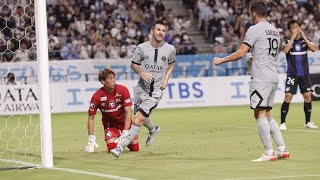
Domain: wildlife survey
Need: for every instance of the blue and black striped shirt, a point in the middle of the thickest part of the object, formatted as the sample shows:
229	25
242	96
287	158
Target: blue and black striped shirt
297	59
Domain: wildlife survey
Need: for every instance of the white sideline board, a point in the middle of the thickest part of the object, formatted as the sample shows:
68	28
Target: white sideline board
182	92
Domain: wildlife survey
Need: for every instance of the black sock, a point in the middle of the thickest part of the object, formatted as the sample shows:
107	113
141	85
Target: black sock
284	111
307	111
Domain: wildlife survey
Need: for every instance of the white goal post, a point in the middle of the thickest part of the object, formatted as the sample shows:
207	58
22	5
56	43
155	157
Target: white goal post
43	60
25	136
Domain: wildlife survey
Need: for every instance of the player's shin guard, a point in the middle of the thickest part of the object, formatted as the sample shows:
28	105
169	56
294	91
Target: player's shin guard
149	124
284	111
134	147
132	133
111	146
307	111
264	132
276	133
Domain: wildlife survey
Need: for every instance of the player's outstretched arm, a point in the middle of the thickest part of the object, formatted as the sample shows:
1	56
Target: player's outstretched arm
91	138
244	48
91	124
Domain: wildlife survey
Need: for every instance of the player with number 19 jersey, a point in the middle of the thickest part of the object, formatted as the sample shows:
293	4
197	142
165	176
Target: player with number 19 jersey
264	40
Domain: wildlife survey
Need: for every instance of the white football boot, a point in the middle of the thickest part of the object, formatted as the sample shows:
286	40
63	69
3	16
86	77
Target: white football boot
282	154
151	136
265	157
116	152
283	126
310	125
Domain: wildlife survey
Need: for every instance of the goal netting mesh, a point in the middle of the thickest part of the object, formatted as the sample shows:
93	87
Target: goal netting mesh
19	119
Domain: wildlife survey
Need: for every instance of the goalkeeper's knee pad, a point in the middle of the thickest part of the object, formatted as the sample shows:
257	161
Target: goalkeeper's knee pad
111	146
134	147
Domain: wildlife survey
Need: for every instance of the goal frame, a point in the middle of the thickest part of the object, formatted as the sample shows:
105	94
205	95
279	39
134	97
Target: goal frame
44	93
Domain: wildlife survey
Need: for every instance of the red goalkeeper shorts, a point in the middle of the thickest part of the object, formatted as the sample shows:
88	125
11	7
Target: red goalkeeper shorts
111	133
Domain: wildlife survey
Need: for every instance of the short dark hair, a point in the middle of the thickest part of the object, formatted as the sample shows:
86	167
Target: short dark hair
293	22
157	22
105	73
10	74
259	6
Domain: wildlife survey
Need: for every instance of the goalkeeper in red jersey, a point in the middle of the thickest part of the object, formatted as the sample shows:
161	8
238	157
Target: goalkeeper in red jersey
114	102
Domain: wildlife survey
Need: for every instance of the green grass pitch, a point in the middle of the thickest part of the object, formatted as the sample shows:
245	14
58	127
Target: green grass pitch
194	143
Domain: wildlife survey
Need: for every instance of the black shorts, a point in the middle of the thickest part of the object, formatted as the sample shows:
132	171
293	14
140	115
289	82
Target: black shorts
293	82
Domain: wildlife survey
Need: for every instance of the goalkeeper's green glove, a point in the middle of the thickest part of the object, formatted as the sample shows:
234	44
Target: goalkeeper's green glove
91	144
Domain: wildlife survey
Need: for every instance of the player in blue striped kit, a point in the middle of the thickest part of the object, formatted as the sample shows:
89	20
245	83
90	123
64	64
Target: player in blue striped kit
296	48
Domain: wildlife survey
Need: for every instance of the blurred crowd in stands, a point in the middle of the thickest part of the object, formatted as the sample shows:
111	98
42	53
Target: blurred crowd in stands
84	29
225	22
100	29
103	29
17	31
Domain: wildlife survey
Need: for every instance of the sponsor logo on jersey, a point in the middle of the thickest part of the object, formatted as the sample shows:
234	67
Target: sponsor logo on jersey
117	94
298	53
103	98
154	68
111	110
163	58
112	104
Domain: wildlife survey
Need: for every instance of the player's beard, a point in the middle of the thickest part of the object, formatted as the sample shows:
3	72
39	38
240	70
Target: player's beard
157	40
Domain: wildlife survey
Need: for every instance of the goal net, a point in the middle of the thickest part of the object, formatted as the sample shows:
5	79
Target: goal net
21	122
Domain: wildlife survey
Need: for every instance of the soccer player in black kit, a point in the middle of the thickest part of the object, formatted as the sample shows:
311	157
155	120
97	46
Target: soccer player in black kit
296	48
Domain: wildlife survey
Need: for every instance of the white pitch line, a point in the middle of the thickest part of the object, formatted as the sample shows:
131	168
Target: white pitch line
293	130
69	170
273	177
92	173
19	162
